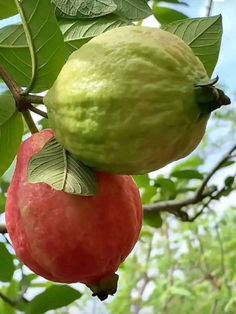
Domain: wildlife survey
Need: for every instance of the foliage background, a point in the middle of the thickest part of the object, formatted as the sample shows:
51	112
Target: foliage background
176	265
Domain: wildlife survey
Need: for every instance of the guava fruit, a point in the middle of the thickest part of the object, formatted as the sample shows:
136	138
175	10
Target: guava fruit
125	102
69	238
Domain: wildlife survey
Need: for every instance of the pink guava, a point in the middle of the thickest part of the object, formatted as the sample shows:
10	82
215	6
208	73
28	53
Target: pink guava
69	238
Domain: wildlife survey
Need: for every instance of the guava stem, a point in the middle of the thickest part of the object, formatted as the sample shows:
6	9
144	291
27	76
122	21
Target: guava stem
29	121
22	103
210	98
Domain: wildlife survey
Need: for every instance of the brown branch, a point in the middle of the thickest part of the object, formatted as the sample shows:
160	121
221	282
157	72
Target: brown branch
175	207
22	103
38	111
3	229
35	99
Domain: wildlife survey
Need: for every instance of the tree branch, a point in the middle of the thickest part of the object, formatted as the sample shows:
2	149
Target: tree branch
175	207
209	8
22	104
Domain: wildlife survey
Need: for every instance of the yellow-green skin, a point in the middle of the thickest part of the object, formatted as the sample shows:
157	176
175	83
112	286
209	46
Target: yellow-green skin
125	103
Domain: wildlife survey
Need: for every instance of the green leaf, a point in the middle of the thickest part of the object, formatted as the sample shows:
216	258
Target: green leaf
7	107
56	167
37	65
52	298
7	267
187	174
203	35
10	138
192	162
227	163
78	8
133	10
167	15
168	188
153	219
77	32
142	181
8	8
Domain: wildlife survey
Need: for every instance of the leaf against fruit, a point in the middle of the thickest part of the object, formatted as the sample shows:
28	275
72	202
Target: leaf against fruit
7	267
11	133
187	174
77	32
52	298
133	10
203	35
167	15
56	167
7	107
8	8
45	46
80	9
152	219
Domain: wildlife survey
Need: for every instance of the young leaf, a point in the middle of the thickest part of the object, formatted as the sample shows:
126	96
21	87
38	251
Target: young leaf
77	32
167	15
11	133
52	298
203	35
56	167
8	8
133	10
45	44
78	9
7	267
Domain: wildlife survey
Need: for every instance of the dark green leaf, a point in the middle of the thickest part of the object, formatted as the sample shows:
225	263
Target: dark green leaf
152	219
80	9
41	58
203	35
56	167
52	298
7	107
167	15
229	181
77	32
187	174
133	10
10	138
8	8
7	267
227	163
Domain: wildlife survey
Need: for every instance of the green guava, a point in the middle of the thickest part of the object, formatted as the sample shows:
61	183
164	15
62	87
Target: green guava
125	101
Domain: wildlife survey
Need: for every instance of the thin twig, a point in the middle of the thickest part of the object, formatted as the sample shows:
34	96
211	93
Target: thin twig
35	99
175	207
209	8
38	111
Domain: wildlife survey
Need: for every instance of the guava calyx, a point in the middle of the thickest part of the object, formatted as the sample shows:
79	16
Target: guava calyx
210	98
105	287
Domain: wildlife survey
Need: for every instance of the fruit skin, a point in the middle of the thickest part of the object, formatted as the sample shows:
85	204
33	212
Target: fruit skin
127	101
69	238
